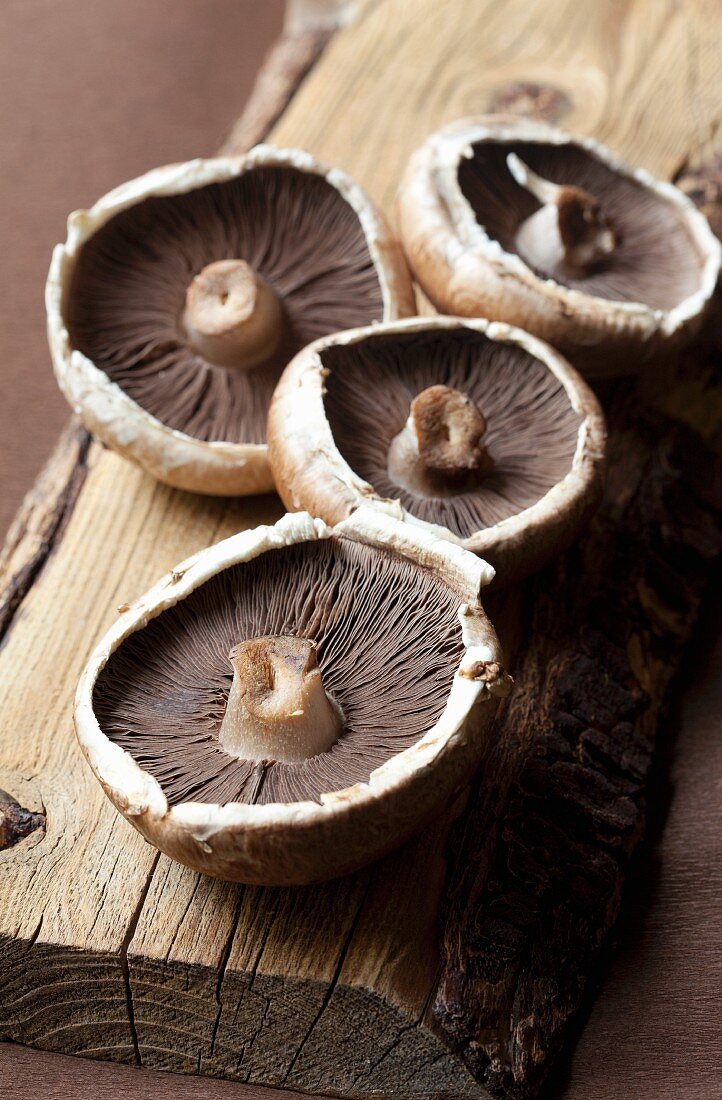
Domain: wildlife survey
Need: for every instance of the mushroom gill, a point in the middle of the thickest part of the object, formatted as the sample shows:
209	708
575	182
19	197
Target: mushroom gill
403	406
194	303
383	631
635	245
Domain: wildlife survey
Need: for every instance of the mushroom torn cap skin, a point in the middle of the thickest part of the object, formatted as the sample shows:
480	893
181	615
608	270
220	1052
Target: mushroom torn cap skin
407	658
179	297
341	436
518	221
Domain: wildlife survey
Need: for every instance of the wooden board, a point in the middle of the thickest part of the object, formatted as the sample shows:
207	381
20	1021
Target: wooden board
359	986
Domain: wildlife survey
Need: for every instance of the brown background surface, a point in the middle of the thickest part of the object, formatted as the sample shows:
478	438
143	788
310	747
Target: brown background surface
94	92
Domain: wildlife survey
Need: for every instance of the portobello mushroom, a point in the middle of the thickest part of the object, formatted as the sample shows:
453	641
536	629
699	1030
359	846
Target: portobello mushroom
293	702
178	299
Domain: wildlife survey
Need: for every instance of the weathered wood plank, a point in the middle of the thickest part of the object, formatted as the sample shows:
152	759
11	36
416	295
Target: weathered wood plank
329	988
642	76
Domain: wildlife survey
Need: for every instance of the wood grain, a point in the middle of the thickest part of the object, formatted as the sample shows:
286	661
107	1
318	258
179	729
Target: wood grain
112	951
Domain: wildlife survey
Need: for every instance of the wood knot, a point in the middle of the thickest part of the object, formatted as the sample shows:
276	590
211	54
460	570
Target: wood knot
16	822
530	100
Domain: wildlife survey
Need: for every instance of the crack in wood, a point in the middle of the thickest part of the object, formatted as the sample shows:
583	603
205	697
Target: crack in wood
332	984
36	932
183	916
250	1043
223	967
123	955
367	1071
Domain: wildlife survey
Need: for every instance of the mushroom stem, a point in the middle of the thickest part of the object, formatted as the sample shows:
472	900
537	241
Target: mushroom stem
277	706
231	316
569	234
440	446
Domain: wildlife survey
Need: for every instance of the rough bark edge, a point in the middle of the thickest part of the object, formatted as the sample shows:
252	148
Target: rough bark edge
41	520
539	864
284	69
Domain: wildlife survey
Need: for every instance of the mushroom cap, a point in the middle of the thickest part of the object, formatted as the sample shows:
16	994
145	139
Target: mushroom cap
342	401
459	209
115	294
403	644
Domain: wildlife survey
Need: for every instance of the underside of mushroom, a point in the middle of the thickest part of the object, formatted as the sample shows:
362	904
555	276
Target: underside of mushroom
472	432
476	431
295	701
193	303
284	677
573	218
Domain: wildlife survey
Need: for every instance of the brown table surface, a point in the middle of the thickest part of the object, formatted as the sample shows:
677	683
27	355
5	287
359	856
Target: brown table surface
93	92
96	92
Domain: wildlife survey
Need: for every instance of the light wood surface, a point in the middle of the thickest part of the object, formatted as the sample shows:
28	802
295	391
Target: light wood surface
114	952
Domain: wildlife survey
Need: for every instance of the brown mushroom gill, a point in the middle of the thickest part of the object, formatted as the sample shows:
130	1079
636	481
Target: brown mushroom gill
654	258
387	640
127	308
530	433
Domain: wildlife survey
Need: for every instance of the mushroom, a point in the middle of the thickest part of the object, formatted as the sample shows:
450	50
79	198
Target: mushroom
473	430
178	299
517	221
295	701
